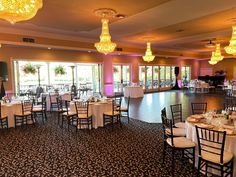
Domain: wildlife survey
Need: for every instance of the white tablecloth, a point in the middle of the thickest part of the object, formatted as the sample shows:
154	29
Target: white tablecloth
230	143
64	96
133	92
96	110
10	109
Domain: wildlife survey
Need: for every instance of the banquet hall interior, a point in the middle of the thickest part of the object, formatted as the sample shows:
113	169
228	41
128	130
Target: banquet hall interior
118	88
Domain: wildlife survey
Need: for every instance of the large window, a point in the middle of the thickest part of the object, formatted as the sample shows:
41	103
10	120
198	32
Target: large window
185	75
121	77
156	77
55	75
142	76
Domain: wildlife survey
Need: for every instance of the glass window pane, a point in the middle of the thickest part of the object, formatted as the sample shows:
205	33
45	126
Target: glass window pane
126	75
142	71
149	77
155	76
117	77
185	72
168	73
29	81
162	76
173	76
57	78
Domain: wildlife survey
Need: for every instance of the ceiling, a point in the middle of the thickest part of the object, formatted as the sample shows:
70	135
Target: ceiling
175	25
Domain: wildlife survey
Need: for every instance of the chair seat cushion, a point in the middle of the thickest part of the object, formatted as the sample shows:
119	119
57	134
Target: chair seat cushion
110	113
62	110
216	158
69	113
123	109
38	106
84	116
180	125
38	109
181	142
25	114
177	132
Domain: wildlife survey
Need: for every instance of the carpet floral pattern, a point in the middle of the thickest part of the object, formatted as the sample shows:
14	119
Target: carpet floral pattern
48	150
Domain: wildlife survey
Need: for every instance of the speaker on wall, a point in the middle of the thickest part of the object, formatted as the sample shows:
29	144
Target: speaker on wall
176	70
3	71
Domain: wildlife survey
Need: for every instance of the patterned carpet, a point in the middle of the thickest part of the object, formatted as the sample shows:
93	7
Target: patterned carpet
47	150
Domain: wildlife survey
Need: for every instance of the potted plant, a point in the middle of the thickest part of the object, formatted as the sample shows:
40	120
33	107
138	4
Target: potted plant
115	70
59	70
29	69
156	70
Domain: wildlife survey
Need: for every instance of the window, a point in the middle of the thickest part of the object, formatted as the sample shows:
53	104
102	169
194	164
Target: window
121	77
185	75
155	77
50	79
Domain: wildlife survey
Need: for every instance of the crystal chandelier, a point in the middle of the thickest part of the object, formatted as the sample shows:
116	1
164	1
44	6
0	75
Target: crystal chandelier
148	54
231	49
212	61
216	56
105	45
19	10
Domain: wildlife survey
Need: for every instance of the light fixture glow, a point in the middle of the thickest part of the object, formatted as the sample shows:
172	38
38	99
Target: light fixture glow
105	45
148	54
231	48
216	55
19	10
212	61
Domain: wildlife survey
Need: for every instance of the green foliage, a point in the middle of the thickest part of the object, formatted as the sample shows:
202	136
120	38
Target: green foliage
29	69
60	70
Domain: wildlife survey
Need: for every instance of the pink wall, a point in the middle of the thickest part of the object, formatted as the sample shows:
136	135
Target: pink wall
228	65
9	54
134	63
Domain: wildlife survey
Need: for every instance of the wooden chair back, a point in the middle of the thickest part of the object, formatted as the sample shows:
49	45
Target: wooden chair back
176	112
199	108
211	142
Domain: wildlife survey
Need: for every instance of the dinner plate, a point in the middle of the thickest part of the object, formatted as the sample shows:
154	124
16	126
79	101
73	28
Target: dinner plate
208	126
192	120
197	116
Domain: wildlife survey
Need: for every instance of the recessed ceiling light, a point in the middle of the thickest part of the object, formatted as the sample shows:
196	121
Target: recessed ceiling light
179	30
120	16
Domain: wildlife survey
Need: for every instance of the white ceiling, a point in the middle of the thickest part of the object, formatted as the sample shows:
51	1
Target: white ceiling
169	24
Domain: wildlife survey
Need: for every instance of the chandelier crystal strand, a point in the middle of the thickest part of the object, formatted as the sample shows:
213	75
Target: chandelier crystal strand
212	61
19	10
231	49
217	55
148	54
105	45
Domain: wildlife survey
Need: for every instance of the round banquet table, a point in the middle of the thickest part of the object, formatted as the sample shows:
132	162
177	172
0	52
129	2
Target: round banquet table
133	92
230	143
96	109
64	96
9	109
